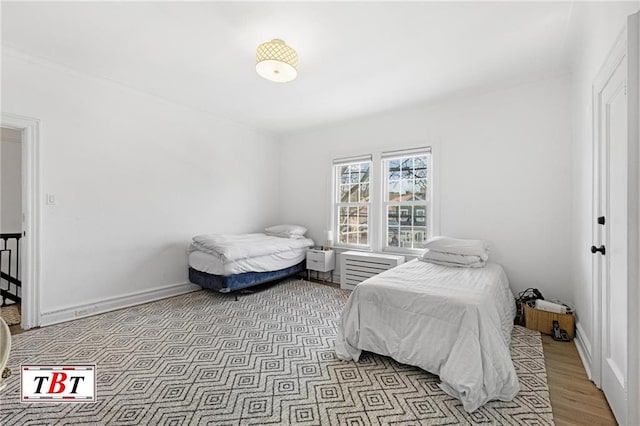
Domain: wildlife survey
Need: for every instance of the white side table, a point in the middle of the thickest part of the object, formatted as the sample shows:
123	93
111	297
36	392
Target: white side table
320	261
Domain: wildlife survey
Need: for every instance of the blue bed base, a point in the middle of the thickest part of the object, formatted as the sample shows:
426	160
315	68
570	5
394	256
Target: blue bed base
226	284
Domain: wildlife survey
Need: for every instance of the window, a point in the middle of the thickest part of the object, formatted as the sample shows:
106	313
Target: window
406	200
353	202
383	201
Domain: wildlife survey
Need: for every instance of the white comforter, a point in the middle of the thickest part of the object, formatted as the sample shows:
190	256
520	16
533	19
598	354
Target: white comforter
232	247
453	322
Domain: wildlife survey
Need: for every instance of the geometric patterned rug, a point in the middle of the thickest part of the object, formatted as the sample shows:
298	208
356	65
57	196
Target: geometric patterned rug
267	358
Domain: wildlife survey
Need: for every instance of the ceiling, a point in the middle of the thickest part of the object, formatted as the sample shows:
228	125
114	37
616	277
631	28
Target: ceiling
355	58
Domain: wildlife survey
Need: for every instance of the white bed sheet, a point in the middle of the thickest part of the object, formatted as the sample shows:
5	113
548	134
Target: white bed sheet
453	322
205	262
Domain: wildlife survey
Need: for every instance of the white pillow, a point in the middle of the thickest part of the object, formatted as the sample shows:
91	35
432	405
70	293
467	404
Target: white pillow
286	229
461	259
458	246
284	235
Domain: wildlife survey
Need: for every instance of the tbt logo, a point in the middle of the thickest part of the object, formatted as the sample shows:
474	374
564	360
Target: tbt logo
44	383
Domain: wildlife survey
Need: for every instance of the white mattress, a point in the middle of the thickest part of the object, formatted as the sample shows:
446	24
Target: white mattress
232	247
453	322
212	264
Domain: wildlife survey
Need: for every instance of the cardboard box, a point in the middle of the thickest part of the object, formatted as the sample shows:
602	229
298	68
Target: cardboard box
542	321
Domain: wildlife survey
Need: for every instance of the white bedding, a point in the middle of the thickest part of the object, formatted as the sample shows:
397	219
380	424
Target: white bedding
452	322
233	247
205	262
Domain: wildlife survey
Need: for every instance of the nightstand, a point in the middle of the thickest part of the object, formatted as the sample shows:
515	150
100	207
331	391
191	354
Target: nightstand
320	261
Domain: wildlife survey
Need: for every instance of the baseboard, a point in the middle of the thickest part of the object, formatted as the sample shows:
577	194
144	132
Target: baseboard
113	303
584	349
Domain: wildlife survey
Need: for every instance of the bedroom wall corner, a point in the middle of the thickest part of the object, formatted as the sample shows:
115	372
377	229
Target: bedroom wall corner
134	178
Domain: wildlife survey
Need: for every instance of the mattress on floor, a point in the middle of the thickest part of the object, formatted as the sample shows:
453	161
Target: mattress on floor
210	264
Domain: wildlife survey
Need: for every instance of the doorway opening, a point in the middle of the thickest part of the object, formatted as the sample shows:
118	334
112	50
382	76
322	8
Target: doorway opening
10	224
20	220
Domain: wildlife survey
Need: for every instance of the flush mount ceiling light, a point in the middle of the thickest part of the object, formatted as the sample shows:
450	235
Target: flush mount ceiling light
276	61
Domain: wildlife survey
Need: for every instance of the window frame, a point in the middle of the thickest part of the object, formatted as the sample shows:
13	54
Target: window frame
336	204
377	220
385	203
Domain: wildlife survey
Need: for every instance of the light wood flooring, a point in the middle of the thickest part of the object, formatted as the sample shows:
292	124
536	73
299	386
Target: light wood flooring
574	398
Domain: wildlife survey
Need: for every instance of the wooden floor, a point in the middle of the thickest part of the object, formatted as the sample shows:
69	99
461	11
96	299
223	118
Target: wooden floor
574	399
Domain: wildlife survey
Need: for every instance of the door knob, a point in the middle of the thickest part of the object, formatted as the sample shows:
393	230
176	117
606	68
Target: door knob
595	249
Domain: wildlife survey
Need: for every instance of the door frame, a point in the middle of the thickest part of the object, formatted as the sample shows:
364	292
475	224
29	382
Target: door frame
32	214
627	44
633	301
616	55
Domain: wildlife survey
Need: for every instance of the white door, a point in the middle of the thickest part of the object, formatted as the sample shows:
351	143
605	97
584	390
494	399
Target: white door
611	277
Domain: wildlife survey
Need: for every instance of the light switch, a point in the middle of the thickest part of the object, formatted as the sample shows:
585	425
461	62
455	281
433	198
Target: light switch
51	199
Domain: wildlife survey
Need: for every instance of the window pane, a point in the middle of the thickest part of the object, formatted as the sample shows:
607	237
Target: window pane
343	233
364	192
393	193
407	190
392	226
392	237
394	169
363	215
352	238
363	235
359	225
354	197
420	189
344	193
406	215
419	236
420	167
344	215
355	173
407	168
344	174
350	193
406	237
353	216
364	172
392	216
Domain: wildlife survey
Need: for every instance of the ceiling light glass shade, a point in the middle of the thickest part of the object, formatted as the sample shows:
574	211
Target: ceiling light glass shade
276	61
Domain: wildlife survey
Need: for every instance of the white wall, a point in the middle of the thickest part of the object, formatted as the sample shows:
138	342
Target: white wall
11	181
598	26
135	178
505	174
